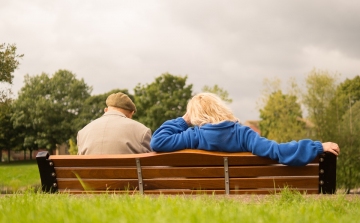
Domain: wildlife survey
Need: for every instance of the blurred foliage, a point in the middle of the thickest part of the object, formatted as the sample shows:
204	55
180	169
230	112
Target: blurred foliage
349	159
281	118
165	98
10	138
320	90
9	61
333	114
345	110
223	94
73	149
47	106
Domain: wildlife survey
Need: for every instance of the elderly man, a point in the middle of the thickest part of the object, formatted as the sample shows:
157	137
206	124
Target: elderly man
115	132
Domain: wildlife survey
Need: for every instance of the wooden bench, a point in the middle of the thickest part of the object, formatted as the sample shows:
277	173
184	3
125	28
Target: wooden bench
183	172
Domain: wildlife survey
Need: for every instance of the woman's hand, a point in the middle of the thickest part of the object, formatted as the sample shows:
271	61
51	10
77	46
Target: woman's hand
331	147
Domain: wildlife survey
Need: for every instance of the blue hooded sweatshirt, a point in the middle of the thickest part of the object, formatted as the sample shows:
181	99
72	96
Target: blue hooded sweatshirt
229	136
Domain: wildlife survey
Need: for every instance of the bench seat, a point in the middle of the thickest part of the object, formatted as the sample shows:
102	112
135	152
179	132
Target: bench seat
183	172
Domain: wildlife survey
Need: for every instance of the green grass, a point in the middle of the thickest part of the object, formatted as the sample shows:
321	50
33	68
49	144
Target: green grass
18	175
286	207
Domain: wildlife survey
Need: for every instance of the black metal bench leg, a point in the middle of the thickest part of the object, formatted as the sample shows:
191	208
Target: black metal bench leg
327	173
47	172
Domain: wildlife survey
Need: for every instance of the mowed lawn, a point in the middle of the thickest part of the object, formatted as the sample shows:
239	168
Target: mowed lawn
284	207
19	175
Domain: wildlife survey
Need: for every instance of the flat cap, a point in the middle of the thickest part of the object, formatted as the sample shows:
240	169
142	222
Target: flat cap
120	100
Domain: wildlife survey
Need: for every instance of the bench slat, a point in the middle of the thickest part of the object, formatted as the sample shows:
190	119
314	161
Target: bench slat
106	184
158	172
165	159
178	158
97	173
179	183
239	183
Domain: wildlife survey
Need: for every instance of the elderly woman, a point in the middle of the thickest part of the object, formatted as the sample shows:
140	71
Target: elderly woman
210	125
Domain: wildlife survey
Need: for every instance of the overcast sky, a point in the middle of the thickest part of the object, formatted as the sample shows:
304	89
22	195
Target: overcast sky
235	44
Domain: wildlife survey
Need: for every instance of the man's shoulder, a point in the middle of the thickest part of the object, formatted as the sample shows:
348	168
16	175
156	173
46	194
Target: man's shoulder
106	119
123	119
138	124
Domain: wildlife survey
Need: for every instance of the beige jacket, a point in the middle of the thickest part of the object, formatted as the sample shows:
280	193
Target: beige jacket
113	133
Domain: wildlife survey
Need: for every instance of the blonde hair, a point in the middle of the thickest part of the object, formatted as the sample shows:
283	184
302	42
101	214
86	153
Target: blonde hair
206	108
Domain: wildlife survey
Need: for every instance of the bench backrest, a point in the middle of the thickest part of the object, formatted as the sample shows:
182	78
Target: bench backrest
183	172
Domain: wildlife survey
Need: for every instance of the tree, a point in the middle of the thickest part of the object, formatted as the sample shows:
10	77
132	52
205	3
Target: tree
320	87
347	94
344	109
223	94
46	107
9	62
280	113
349	158
332	110
165	98
10	137
281	118
5	127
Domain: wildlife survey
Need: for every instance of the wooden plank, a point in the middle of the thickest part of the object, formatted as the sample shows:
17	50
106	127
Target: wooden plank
190	172
79	161
168	160
208	159
77	191
275	182
181	183
242	171
97	172
235	183
178	158
105	184
147	172
188	157
275	170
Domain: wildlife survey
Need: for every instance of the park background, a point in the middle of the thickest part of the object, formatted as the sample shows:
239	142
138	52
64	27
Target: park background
302	56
